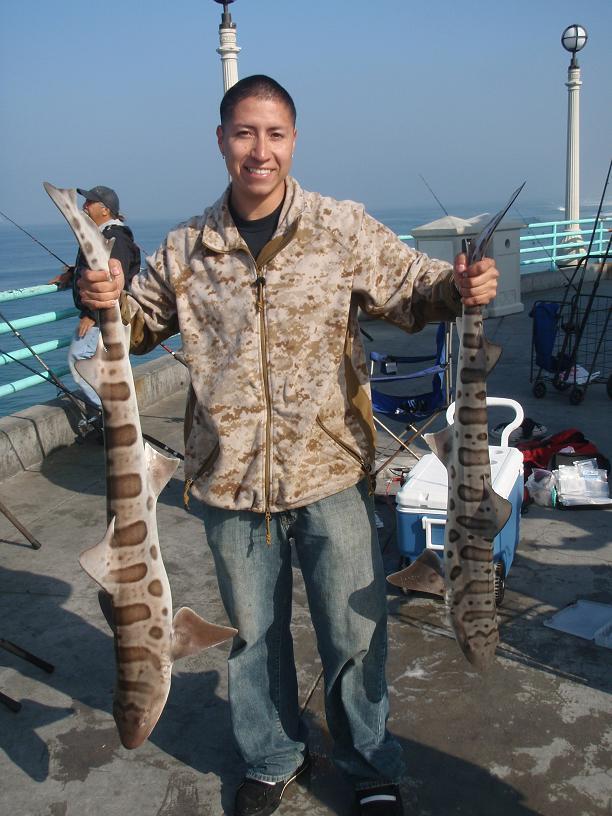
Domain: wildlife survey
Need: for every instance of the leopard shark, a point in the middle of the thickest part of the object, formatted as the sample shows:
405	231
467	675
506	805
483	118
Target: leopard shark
127	563
475	513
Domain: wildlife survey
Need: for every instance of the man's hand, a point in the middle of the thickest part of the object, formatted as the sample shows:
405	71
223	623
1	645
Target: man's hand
85	324
64	279
98	289
477	284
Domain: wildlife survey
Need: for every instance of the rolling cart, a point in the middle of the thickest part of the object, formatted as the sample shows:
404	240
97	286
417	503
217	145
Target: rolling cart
571	345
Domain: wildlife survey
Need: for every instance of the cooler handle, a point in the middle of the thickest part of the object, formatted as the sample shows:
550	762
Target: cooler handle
427	525
503	401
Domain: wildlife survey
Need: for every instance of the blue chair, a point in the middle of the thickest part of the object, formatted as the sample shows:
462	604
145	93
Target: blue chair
408	407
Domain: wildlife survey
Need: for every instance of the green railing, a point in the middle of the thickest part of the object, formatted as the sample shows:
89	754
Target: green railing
543	246
560	240
30	321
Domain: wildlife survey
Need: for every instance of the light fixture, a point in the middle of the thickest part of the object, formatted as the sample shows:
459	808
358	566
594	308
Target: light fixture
574	39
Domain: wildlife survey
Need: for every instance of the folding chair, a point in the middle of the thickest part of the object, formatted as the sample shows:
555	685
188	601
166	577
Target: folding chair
411	408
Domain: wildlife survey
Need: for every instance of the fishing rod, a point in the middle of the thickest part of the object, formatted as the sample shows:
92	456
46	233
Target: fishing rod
52	376
87	421
444	210
92	405
176	356
566	346
569	281
29	234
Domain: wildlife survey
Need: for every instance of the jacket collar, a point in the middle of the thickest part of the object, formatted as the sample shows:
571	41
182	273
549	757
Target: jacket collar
220	233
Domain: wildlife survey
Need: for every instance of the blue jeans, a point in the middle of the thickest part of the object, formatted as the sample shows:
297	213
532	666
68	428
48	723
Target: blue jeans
340	560
82	348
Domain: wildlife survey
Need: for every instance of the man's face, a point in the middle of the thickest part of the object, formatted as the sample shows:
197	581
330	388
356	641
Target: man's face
96	211
258	143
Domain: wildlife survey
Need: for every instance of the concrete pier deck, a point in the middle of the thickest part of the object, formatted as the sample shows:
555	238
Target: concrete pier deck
533	735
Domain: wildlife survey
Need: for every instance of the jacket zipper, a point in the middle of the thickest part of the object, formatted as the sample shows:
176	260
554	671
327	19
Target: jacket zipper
260	282
365	466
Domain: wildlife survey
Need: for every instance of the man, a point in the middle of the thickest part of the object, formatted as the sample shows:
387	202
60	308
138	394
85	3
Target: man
265	288
102	206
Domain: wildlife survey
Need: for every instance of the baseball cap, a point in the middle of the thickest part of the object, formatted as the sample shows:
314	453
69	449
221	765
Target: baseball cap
104	195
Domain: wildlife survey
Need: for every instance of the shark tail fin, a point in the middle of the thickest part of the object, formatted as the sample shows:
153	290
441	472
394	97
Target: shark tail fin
191	633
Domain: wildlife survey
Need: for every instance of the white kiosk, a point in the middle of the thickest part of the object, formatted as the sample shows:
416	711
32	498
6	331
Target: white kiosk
443	239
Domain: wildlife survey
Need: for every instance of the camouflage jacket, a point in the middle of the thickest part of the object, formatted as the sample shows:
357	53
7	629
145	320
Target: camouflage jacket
279	412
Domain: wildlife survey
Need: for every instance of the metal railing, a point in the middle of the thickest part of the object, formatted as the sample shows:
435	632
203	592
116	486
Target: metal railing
31	321
560	242
543	246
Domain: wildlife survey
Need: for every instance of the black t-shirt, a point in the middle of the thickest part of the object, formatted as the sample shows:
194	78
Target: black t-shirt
257	233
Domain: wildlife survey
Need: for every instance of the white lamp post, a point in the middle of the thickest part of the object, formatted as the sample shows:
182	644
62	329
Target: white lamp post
573	40
228	49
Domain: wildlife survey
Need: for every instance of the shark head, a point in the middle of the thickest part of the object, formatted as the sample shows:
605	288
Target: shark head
135	724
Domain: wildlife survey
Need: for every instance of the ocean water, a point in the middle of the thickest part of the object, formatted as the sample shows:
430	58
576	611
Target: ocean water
24	263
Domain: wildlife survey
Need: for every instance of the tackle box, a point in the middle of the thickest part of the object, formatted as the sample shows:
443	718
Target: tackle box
421	506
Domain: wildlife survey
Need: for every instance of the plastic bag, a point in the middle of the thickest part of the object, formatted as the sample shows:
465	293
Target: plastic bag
582	483
542	487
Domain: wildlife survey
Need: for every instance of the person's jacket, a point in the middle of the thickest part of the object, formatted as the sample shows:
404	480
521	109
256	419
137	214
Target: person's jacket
279	412
124	249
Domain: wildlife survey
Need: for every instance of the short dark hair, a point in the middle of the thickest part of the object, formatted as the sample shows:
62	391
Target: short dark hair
259	86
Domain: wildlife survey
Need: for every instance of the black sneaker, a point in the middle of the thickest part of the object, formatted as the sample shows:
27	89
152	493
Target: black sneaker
255	798
381	801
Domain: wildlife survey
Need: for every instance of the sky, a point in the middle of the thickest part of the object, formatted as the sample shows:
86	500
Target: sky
471	95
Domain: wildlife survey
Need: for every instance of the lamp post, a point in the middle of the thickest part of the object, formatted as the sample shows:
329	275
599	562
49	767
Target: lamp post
228	49
573	40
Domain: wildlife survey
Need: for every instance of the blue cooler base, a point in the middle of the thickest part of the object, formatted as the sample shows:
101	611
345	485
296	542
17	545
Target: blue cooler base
421	506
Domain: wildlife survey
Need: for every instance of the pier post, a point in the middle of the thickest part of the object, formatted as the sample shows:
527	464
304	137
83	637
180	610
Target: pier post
228	49
573	40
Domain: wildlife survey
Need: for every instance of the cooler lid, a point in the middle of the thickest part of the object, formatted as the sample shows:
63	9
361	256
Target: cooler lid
427	483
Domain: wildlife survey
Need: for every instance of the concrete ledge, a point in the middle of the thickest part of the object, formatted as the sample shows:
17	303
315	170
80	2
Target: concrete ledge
537	281
28	437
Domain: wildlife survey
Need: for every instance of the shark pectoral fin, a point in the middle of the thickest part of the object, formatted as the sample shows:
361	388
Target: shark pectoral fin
191	633
441	443
91	369
425	574
95	560
502	510
492	353
160	468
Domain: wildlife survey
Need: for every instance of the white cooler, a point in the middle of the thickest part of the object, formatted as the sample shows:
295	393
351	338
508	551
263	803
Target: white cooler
421	502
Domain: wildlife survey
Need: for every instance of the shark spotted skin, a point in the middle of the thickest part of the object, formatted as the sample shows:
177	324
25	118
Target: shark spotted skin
475	513
127	563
